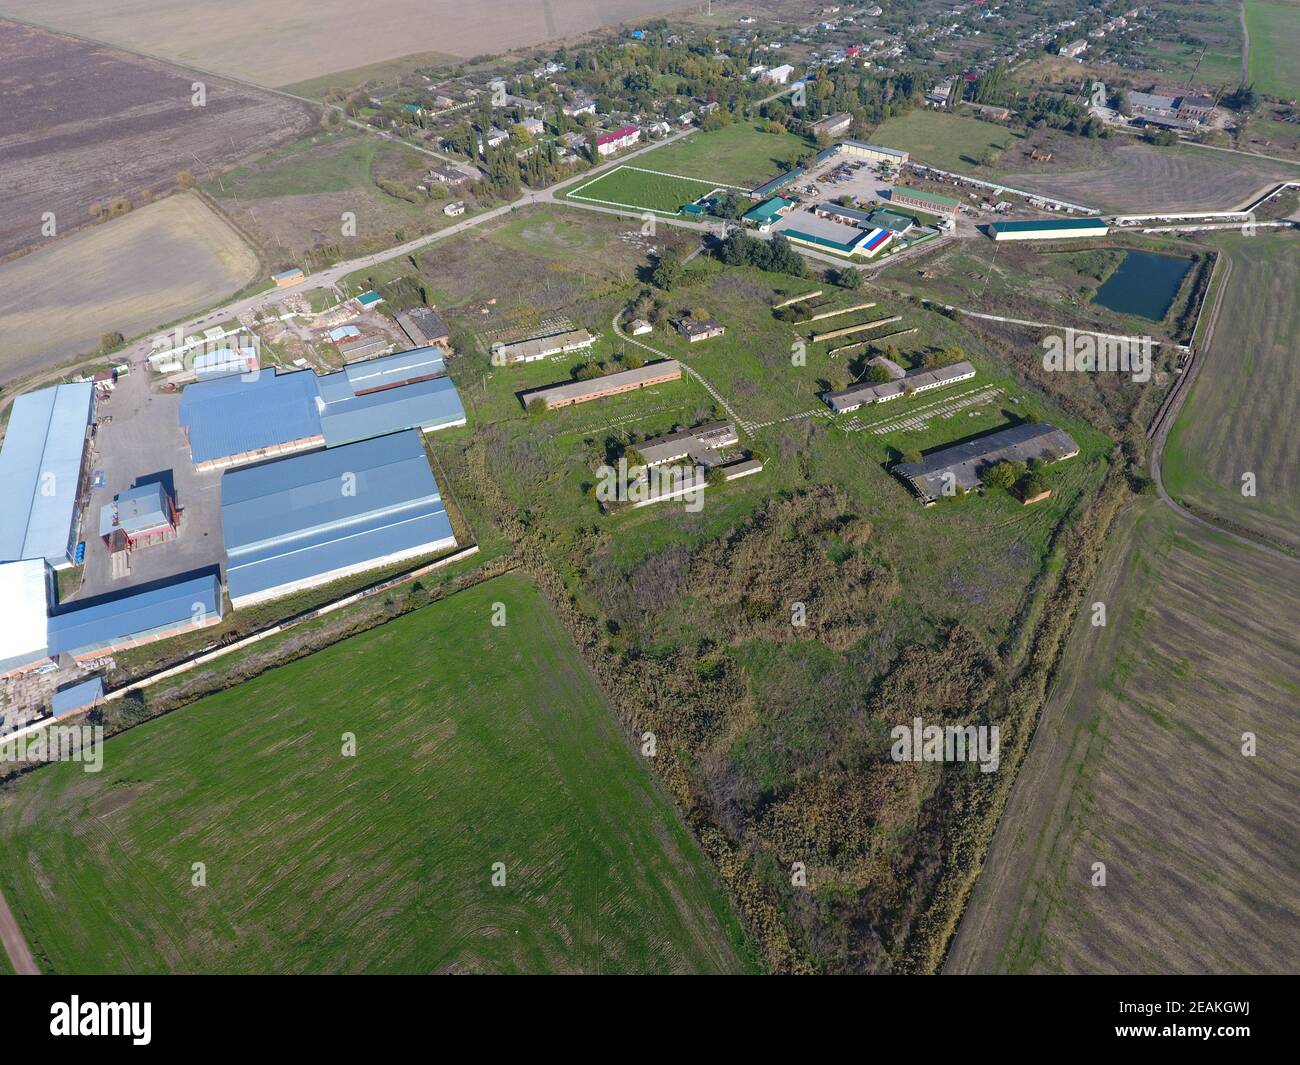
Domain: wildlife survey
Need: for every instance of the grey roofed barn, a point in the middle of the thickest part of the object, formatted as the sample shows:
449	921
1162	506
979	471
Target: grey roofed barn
962	465
569	392
917	381
699	444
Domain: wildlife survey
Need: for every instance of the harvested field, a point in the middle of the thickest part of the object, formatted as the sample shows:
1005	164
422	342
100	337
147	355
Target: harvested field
383	861
1139	178
278	44
1138	764
146	269
83	124
1243	414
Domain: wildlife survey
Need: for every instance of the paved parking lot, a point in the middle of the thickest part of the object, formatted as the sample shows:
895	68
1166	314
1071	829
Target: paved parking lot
142	442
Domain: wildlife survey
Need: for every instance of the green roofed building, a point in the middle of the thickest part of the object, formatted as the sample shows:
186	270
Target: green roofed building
1049	229
924	201
892	220
767	212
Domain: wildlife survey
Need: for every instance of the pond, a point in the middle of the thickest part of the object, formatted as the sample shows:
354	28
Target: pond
1144	284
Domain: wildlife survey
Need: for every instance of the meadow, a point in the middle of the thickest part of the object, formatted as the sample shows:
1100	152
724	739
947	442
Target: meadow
129	275
949	141
1139	764
475	745
292	200
741	153
1274	29
641	189
1242	415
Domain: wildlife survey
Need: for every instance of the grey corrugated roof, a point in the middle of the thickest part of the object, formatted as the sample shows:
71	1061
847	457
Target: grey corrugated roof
394	369
966	462
82	629
135	510
40	464
430	405
290	521
576	389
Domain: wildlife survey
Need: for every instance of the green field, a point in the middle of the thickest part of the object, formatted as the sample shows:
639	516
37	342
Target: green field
642	190
741	154
1274	30
948	141
475	745
1243	414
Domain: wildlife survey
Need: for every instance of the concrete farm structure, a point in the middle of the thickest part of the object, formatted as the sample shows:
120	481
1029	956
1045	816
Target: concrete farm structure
571	392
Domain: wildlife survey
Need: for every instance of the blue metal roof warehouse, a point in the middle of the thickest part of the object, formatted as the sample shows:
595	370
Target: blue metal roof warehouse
40	472
78	697
238	420
313	518
102	625
250	417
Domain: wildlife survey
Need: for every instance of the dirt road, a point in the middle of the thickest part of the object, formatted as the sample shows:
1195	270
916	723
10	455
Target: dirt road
11	937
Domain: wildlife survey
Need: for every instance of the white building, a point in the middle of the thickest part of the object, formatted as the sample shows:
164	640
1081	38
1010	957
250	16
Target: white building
777	75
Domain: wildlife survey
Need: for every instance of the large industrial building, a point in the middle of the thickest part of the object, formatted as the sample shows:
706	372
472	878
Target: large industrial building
236	421
922	200
41	466
962	465
1049	229
24	591
838	237
153	612
313	518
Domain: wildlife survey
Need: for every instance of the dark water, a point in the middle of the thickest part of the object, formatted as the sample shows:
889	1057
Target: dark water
1144	284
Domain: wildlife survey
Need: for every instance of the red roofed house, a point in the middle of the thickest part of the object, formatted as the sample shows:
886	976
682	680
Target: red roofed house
618	139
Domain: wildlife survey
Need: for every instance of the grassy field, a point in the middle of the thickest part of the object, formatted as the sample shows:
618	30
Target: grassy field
292	200
129	275
643	189
304	39
740	154
475	745
1243	415
948	141
1274	29
1138	764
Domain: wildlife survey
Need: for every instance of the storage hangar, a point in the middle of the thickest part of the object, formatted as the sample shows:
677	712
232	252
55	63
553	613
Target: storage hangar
24	591
310	519
236	420
1049	229
40	473
142	615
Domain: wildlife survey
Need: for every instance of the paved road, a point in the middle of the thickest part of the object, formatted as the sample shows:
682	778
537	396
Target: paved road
11	938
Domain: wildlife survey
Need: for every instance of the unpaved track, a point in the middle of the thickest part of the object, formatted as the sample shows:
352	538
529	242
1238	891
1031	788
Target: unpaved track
11	936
